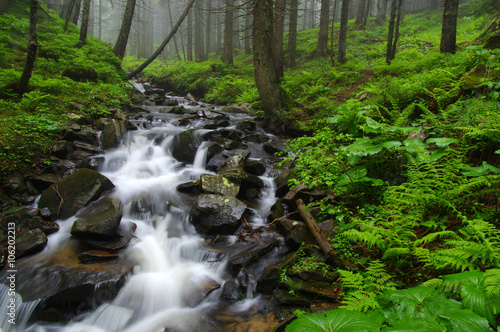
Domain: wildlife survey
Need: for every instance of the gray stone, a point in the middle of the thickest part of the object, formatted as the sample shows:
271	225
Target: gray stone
217	214
184	147
218	184
69	195
274	147
99	220
112	134
30	242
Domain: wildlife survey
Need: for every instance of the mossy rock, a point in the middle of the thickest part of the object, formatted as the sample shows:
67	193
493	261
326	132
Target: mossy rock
81	74
66	197
493	41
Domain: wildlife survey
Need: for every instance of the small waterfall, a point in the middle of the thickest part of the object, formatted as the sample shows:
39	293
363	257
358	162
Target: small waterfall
14	310
200	158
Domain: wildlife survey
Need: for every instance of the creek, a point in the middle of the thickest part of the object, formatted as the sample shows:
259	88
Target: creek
178	280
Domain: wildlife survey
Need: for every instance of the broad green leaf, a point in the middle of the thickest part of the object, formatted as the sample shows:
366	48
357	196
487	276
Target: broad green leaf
390	144
351	176
442	141
338	320
497	151
484	169
413	145
372	123
437	154
416	325
465	320
334	119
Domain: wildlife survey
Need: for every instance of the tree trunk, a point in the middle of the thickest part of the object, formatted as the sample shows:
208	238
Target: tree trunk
32	48
390	35
190	37
332	58
100	19
165	42
248	31
383	11
312	13
322	46
292	33
4	7
266	79
396	34
367	13
343	31
279	18
121	42
449	29
199	47
76	12
433	5
361	12
71	5
85	22
177	55
227	47
208	29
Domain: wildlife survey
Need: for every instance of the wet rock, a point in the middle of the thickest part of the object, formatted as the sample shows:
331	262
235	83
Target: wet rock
69	195
223	123
197	294
96	256
148	90
212	149
86	147
119	242
232	292
191	187
192	100
230	144
217	214
99	220
295	232
48	227
232	134
216	162
254	167
274	147
493	41
240	108
178	110
30	242
281	182
184	147
62	149
251	254
87	135
218	184
62	168
246	125
257	138
170	102
476	77
233	162
243	154
112	134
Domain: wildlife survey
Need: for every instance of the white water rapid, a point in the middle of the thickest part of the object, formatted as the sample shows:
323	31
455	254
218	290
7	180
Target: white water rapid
175	281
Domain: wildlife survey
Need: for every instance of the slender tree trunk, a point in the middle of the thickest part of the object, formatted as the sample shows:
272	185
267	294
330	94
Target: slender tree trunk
292	33
32	49
332	58
199	47
100	19
383	11
266	80
305	16
165	42
227	47
236	24
396	34
449	29
312	12
279	18
248	31
322	46
390	35
76	12
121	43
361	12
85	22
190	37
4	7
433	5
208	30
177	55
367	13
343	31
68	13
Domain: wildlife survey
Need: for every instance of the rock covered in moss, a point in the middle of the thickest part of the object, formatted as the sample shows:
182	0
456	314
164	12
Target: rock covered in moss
217	214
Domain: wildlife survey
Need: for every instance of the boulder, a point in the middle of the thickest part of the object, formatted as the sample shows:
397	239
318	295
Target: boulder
217	214
254	167
184	147
66	197
96	256
240	108
99	220
62	149
218	184
493	41
30	242
232	292
119	242
274	146
112	134
281	182
251	254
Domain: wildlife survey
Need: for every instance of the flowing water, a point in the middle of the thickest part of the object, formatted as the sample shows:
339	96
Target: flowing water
177	280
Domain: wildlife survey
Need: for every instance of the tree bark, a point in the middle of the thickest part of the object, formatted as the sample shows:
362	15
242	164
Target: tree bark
68	13
292	33
248	31
190	37
121	42
343	31
85	22
390	35
360	13
227	47
322	46
208	29
449	28
165	42
279	19
76	12
177	55
396	33
383	12
312	13
332	58
199	47
266	79
4	7
32	49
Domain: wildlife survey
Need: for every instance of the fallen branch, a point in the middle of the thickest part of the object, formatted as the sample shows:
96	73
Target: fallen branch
315	230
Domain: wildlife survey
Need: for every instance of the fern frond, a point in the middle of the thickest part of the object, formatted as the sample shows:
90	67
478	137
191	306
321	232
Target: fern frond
436	235
396	253
370	239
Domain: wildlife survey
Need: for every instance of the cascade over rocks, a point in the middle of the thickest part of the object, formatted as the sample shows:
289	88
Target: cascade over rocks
184	146
217	214
69	195
99	220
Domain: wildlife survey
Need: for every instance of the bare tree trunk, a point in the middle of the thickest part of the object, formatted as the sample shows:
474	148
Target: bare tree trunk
383	11
85	22
100	19
449	29
177	55
208	29
32	48
292	33
390	34
248	31
279	18
4	7
190	37
68	13
361	12
165	42
322	46
367	13
76	12
332	58
121	43
396	34
199	47
343	31
227	47
312	12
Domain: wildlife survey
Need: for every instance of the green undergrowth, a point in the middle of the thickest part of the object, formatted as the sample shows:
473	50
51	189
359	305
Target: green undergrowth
87	81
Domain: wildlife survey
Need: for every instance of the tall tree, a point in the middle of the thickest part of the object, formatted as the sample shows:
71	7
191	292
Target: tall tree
121	42
199	44
164	43
248	30
177	54
292	33
390	35
76	13
32	49
85	22
344	15
4	7
208	30
190	36
382	11
360	15
279	20
272	96
227	47
322	46
70	7
449	28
